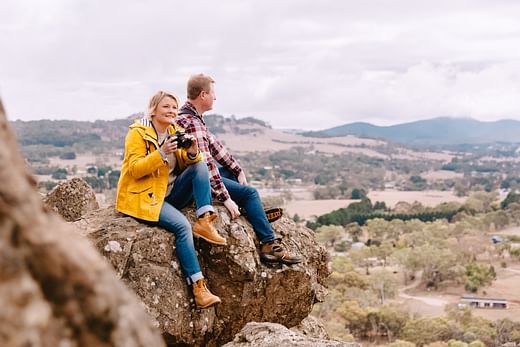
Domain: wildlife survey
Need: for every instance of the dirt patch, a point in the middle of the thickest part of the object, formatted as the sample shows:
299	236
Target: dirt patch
308	209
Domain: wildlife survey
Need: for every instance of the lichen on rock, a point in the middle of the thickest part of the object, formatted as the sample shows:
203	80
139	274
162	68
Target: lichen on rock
250	290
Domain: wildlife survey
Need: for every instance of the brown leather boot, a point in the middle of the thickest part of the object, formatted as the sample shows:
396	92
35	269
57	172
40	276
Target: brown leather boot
205	229
203	297
273	252
271	213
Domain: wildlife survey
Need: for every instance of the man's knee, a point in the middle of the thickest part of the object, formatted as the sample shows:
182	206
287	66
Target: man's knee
251	192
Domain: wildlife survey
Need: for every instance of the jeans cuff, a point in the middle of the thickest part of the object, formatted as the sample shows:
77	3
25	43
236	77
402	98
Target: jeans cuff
206	208
194	278
268	239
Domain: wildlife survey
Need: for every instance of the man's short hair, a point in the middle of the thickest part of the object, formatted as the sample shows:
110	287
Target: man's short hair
197	84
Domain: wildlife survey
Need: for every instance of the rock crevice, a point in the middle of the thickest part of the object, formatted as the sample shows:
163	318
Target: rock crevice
145	259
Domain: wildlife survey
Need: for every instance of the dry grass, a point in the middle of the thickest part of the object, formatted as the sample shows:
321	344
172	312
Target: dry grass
263	139
307	208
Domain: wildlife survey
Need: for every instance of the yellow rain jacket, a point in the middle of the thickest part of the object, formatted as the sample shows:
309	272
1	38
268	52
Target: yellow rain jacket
143	182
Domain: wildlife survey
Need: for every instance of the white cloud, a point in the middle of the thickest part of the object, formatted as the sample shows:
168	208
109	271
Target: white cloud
295	63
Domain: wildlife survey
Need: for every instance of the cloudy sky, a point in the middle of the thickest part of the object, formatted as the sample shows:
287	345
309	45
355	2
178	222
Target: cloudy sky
293	63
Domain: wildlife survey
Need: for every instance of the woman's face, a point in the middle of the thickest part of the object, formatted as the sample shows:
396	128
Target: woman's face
166	111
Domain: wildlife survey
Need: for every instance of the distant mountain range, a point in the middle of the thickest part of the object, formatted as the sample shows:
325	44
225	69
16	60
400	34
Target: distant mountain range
436	131
442	131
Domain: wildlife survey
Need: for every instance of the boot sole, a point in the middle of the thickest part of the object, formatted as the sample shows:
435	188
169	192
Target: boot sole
273	214
209	305
224	243
271	259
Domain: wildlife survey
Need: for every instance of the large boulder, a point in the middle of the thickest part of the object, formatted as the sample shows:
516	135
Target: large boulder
55	288
276	335
71	199
145	259
312	327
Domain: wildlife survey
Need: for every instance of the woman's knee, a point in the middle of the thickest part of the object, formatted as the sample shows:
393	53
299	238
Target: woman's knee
200	169
183	231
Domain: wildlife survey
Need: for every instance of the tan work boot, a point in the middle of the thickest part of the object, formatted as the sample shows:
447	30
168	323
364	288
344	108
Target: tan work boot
205	229
273	252
203	297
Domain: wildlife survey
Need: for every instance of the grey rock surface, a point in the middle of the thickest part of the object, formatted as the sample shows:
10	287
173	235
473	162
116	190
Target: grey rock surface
144	258
55	288
276	335
311	327
71	199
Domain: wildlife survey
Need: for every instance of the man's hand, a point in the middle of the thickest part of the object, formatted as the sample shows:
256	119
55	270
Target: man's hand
232	208
242	178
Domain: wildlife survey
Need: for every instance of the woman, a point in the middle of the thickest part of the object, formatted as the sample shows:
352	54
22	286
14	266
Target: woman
158	178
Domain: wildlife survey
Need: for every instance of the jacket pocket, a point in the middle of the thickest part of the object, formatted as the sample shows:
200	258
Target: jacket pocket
139	188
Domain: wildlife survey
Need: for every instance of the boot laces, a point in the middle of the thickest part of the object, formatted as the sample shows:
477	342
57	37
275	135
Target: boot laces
202	286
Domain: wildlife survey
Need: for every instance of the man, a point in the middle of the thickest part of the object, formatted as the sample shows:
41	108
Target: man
228	183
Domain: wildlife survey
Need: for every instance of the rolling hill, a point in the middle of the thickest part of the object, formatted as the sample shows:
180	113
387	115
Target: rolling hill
436	131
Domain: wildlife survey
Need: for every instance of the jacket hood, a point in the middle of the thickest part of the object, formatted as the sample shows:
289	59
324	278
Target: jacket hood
143	123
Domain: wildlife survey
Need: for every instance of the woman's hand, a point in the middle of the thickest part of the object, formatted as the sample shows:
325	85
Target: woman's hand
169	146
194	148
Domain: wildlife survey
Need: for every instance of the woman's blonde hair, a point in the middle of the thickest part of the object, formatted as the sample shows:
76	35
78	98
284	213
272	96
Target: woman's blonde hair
156	99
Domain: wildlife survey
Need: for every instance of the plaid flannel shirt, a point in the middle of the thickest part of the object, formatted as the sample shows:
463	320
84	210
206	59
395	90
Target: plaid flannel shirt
212	149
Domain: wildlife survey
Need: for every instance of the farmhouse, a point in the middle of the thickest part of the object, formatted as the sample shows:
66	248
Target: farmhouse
482	302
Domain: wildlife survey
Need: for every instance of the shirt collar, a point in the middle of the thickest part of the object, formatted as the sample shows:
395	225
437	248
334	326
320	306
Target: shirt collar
191	108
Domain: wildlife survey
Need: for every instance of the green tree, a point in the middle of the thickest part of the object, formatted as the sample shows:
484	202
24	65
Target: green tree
427	330
355	317
384	285
68	156
478	275
510	198
113	178
401	343
329	234
47	185
358	193
97	183
59	174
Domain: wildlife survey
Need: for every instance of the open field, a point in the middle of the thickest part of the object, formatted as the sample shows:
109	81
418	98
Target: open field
426	197
307	208
258	138
84	160
428	303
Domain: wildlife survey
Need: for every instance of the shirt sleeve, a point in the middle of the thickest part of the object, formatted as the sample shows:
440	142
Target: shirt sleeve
196	128
222	155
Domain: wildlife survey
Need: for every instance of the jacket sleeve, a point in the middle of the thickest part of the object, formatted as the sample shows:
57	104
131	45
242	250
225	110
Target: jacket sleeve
139	163
183	159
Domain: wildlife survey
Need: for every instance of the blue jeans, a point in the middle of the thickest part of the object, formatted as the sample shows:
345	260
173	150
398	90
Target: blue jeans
248	198
191	184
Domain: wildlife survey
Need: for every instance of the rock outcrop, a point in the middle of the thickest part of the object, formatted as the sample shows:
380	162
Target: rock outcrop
71	199
312	327
55	288
276	335
144	258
